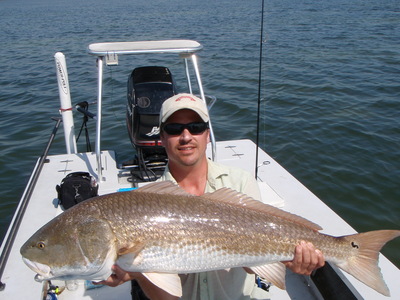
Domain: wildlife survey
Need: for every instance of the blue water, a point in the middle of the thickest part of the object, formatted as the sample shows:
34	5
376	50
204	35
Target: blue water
330	87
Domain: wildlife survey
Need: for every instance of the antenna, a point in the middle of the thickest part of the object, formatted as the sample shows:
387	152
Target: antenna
259	87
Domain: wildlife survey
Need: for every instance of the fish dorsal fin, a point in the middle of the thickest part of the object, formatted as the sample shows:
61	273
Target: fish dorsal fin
228	196
162	187
231	197
171	283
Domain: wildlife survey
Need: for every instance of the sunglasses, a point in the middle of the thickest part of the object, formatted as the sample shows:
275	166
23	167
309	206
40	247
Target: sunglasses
177	128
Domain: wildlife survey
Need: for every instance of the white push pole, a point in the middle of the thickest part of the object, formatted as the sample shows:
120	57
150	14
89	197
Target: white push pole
98	120
65	101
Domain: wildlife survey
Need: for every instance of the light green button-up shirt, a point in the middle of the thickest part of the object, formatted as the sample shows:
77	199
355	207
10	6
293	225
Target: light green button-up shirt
232	284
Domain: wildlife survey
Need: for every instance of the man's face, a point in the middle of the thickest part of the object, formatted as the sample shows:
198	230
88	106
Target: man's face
185	149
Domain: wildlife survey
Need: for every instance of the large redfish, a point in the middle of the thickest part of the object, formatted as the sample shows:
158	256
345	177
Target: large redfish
161	231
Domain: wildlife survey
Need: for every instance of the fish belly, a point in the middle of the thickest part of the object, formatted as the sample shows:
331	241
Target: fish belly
190	259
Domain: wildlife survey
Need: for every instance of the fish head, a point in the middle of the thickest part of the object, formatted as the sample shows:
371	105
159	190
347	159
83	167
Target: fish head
69	248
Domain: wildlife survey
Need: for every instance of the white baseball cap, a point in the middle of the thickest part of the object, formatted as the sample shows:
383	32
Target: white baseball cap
183	101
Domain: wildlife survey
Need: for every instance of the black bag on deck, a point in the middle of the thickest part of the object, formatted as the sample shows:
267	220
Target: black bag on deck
75	188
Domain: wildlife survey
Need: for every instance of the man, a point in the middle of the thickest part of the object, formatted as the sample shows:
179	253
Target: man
184	133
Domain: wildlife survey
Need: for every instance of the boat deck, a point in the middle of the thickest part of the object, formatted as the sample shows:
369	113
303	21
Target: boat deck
278	188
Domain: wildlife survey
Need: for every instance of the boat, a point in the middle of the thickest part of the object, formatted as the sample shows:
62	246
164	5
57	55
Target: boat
148	86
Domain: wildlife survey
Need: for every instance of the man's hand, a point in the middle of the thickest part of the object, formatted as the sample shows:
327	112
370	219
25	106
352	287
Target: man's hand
306	259
118	277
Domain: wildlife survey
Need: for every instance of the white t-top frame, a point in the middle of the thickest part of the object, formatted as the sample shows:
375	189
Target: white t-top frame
186	49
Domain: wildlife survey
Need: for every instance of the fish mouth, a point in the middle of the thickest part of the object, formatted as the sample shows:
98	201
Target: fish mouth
43	271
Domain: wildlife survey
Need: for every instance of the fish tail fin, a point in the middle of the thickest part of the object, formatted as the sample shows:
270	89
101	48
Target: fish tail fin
363	264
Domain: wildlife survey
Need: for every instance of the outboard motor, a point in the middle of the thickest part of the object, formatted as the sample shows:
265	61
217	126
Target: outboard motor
148	88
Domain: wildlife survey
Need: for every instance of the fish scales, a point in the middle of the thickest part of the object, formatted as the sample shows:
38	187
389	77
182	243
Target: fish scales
169	222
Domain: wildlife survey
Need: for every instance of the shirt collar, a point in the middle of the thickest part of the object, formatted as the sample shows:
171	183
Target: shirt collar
215	171
168	176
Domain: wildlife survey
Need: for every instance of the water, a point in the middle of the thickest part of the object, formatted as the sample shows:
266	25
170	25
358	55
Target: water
330	87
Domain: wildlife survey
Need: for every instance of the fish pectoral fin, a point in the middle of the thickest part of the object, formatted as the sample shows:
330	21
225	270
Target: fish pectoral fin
134	248
274	273
171	283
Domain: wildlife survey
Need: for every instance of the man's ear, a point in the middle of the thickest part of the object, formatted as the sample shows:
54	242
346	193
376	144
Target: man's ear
208	136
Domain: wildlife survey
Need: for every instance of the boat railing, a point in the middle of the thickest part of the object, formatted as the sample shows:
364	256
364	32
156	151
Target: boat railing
23	204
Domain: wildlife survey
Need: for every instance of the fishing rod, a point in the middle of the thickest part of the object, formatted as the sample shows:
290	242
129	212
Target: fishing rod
259	87
24	203
83	107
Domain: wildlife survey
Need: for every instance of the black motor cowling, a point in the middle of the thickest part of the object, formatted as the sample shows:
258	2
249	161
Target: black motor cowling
148	88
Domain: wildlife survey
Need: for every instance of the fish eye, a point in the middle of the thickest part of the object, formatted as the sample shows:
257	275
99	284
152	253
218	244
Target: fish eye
41	245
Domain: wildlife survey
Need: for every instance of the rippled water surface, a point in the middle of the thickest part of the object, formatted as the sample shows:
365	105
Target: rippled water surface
330	87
